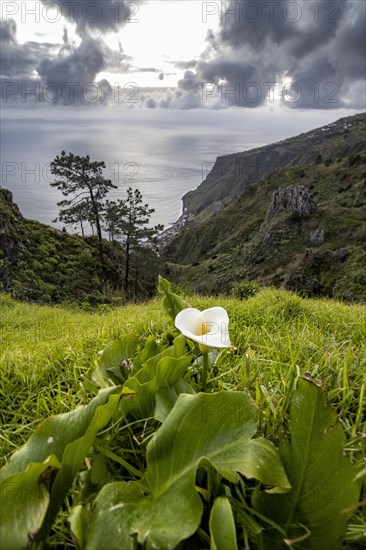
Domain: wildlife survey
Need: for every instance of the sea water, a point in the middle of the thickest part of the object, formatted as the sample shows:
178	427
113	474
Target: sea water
162	152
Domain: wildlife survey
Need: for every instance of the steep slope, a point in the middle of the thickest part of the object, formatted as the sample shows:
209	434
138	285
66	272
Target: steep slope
301	227
40	263
231	174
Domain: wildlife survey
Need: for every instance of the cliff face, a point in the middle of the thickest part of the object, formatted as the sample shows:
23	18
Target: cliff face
232	174
301	227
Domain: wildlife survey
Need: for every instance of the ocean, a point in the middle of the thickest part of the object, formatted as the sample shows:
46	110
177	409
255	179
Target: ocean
164	153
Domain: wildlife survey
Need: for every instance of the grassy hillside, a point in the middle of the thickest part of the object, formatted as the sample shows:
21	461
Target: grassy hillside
39	263
232	174
46	352
302	228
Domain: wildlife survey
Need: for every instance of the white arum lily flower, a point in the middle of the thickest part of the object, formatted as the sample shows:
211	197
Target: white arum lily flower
209	327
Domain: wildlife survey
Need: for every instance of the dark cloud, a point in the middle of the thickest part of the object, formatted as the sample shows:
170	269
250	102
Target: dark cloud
101	15
40	72
258	50
151	103
260	46
19	60
300	24
65	73
79	66
8	31
185	64
74	64
73	71
252	23
189	82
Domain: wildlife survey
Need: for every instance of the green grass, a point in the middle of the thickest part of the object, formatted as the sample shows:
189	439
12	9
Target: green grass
45	352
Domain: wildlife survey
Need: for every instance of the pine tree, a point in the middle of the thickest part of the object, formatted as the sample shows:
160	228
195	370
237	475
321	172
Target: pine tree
133	224
111	217
74	215
83	180
128	221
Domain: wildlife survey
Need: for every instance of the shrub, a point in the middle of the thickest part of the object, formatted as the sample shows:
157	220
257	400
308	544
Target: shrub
244	289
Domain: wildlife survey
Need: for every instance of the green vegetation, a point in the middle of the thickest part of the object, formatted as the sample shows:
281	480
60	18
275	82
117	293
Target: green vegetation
290	215
129	219
302	227
288	470
126	220
41	264
48	352
233	173
83	180
270	448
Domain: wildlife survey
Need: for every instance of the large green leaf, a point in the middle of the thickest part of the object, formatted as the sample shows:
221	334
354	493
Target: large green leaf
110	367
165	398
24	501
164	508
172	302
160	371
66	437
151	348
314	513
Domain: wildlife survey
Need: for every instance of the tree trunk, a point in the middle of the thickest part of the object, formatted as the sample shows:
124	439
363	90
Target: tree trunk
99	230
136	275
82	228
127	262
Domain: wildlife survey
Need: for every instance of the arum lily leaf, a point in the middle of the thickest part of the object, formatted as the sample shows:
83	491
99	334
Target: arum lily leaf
159	372
165	508
141	402
172	302
222	526
25	498
148	368
152	348
324	492
111	360
99	470
79	519
67	437
165	398
54	434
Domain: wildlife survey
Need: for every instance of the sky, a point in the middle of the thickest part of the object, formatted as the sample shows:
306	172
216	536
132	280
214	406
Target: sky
184	54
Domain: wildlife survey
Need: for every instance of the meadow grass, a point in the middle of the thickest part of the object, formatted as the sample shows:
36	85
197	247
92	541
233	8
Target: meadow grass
46	351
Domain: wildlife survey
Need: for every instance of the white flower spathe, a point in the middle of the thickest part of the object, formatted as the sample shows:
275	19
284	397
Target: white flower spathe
209	327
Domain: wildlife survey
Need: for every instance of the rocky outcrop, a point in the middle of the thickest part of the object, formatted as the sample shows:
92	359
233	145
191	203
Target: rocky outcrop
294	199
11	246
316	238
8	196
295	202
10	215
